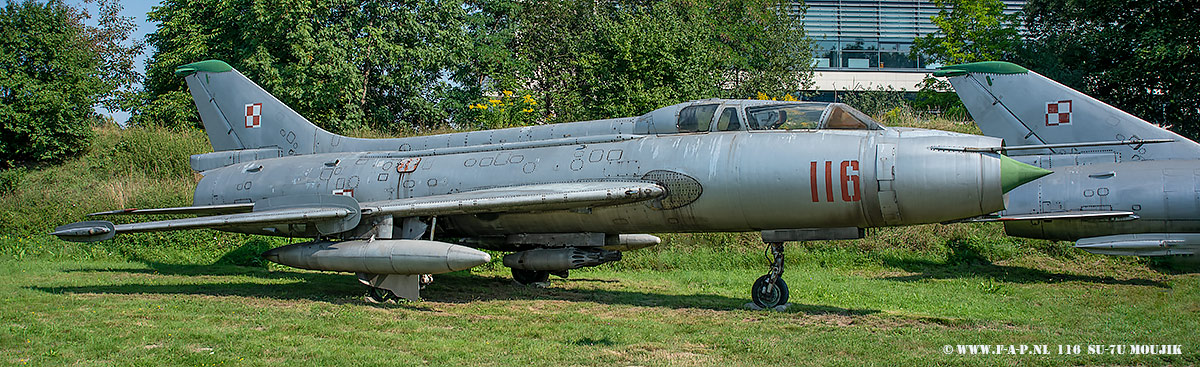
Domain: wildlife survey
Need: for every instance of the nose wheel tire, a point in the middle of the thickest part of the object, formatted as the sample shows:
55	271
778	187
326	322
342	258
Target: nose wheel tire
380	295
768	295
527	277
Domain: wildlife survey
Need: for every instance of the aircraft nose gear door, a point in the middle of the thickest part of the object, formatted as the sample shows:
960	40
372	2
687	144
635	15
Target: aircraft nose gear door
885	173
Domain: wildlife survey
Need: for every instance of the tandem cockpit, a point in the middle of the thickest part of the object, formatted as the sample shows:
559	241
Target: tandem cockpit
717	115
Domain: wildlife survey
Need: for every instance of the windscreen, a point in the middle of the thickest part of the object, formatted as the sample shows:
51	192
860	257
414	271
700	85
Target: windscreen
785	116
808	116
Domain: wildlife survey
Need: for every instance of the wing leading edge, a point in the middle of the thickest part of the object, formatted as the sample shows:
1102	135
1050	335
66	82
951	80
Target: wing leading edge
527	198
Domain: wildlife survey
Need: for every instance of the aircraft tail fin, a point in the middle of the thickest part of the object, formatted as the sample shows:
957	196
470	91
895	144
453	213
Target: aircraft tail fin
238	114
1025	108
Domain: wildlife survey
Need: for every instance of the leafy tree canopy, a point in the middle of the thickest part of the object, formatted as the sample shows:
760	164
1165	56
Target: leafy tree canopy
418	64
53	71
970	31
593	59
343	64
1139	56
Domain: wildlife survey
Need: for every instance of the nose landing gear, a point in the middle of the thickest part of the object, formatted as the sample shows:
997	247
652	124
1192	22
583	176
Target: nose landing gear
770	290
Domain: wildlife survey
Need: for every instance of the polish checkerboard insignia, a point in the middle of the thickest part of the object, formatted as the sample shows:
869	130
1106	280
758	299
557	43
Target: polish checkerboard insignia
253	115
1058	113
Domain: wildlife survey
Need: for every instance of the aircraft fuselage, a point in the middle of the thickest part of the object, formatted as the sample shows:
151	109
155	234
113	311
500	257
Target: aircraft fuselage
719	181
1164	195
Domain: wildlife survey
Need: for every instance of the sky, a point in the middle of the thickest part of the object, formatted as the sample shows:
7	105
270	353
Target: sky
132	8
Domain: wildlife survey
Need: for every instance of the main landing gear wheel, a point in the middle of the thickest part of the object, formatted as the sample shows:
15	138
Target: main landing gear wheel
527	277
770	290
380	295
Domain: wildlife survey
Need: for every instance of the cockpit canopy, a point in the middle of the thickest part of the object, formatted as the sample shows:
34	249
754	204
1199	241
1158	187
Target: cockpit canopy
717	115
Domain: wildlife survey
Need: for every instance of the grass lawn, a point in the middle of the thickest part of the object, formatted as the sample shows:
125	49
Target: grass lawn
885	310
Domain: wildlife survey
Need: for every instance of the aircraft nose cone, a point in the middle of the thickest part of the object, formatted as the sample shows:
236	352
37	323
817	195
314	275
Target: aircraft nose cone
460	258
1014	173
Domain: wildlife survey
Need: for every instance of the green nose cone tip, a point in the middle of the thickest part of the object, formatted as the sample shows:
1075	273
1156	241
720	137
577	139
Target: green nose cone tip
1014	174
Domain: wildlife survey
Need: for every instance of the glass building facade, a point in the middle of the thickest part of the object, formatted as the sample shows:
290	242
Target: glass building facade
857	35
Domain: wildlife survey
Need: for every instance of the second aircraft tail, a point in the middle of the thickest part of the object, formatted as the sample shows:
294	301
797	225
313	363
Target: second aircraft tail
1025	108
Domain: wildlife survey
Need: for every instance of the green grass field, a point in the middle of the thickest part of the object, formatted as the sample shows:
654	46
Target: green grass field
896	297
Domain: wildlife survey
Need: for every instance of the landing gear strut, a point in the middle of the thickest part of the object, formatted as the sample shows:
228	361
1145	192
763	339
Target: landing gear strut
770	290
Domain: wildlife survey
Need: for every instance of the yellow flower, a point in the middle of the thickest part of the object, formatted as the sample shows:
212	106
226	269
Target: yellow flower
529	100
789	98
508	93
494	101
482	106
527	110
763	96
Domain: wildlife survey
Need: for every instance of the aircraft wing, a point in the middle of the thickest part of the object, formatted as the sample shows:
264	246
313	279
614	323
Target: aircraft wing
330	214
191	210
525	198
326	213
1075	214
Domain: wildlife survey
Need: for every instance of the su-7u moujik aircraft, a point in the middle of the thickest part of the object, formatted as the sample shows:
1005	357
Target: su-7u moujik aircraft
562	196
1121	185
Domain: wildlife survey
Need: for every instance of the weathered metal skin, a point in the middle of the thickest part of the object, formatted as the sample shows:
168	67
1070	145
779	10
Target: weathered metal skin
746	181
1161	193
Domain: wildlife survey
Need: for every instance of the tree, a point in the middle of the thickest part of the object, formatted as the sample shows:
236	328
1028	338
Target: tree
53	71
389	65
1139	56
588	59
970	31
343	64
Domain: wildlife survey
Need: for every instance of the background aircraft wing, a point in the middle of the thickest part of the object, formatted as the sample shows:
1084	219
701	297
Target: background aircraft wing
1076	214
1142	244
525	198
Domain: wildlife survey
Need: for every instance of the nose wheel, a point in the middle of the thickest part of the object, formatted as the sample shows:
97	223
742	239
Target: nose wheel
770	290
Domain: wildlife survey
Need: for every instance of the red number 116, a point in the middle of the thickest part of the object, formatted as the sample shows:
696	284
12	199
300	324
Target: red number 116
849	183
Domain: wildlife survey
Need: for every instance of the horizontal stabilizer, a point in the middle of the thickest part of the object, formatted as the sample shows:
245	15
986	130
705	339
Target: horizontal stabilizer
188	210
1077	214
527	198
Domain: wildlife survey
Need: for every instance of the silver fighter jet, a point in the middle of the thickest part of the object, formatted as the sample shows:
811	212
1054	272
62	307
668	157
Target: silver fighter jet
563	196
1121	186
